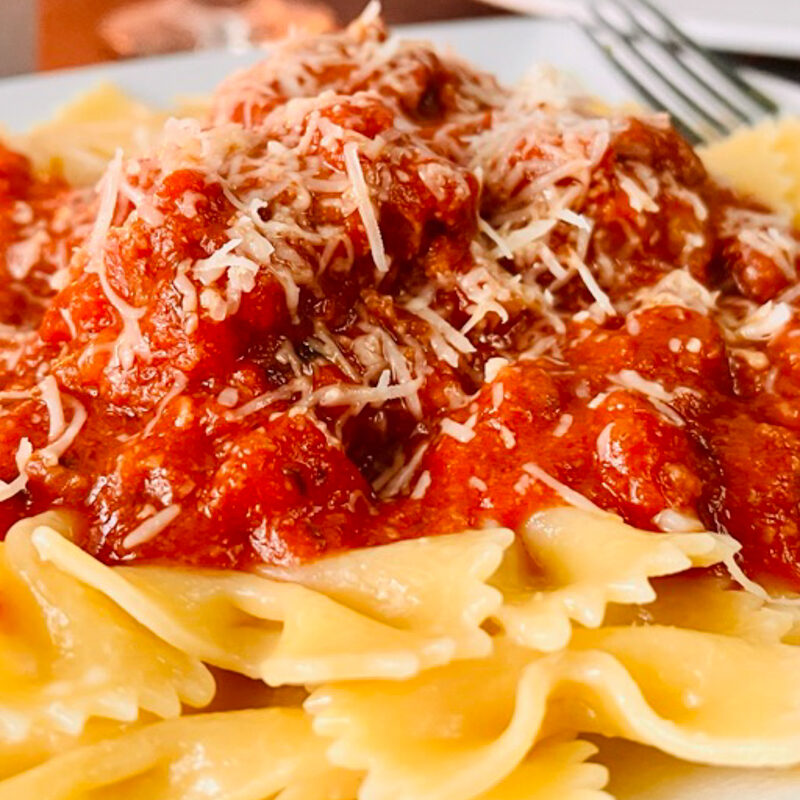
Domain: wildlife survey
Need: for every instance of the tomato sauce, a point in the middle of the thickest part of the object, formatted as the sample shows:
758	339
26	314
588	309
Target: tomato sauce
250	416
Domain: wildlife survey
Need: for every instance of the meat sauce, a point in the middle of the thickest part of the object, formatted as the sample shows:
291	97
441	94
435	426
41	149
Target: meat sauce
343	390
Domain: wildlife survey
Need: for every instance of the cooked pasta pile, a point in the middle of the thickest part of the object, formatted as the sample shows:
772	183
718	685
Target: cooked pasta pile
483	664
476	677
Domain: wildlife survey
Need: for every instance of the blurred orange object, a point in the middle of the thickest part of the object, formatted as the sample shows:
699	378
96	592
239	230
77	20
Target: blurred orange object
69	35
150	27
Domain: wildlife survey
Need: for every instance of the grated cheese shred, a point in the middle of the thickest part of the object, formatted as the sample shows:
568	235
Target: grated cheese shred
569	496
130	341
151	527
50	394
21	459
51	454
364	205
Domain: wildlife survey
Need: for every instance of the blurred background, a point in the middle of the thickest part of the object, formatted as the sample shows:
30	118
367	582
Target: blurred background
52	34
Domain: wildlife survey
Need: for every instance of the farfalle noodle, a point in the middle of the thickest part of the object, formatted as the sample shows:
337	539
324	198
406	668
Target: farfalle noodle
285	633
68	654
569	565
236	755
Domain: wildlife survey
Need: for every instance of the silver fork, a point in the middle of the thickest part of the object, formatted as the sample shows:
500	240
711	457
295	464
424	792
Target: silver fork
705	96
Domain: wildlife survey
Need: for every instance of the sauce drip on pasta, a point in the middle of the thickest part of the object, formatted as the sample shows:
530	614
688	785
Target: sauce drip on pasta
378	296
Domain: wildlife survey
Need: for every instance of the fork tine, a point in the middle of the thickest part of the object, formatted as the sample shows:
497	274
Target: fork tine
655	88
728	116
693	134
728	78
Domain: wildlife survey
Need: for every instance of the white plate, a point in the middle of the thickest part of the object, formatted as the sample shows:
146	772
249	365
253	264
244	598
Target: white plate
505	46
756	27
763	27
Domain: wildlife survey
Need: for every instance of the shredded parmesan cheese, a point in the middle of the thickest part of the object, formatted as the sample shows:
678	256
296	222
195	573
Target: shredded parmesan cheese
421	486
130	341
569	496
669	519
506	434
179	384
397	477
603	444
498	395
228	397
48	388
151	527
749	585
21	458
578	220
564	424
502	244
766	321
639	199
364	205
460	432
632	380
493	366
477	483
55	449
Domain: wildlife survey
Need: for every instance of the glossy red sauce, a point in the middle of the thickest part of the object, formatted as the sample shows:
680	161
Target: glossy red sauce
276	485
